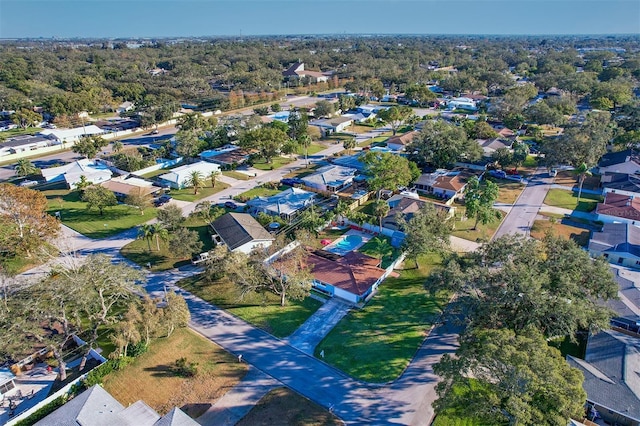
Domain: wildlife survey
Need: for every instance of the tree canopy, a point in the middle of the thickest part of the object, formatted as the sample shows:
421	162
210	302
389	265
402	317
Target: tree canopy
389	171
440	144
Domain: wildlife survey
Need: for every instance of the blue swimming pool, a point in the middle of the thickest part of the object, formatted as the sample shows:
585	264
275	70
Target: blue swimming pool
345	245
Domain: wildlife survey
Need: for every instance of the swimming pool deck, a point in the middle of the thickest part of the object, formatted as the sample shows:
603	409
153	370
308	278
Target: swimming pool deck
334	246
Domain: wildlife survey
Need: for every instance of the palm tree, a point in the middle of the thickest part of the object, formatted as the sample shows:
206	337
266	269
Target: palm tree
305	141
117	146
213	176
195	179
160	233
146	232
349	144
82	183
582	172
25	167
381	209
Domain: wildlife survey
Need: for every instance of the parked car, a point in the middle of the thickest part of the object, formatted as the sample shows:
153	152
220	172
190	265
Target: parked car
28	183
498	174
161	200
230	205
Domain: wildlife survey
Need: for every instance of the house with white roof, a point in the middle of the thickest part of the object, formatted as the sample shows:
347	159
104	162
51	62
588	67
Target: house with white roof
332	125
330	178
71	135
178	178
93	171
286	204
462	103
24	144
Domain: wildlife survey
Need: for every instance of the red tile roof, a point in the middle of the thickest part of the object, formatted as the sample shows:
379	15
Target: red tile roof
405	139
355	272
619	205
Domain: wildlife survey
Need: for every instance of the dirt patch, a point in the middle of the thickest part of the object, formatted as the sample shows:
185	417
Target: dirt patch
568	178
151	377
541	227
284	407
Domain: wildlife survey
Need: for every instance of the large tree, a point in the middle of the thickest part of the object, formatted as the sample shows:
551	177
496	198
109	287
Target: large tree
24	223
139	199
26	118
98	197
184	243
502	378
515	283
171	217
420	93
89	146
267	140
478	200
25	167
429	230
441	144
388	171
395	116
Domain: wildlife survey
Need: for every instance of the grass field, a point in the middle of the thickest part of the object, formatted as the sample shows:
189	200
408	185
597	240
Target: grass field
186	194
260	191
236	175
138	251
151	379
12	133
451	417
509	190
282	406
541	227
262	310
302	172
464	229
276	163
75	215
314	148
569	200
376	343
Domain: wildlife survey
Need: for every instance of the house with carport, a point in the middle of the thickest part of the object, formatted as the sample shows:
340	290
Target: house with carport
286	204
178	178
93	171
123	186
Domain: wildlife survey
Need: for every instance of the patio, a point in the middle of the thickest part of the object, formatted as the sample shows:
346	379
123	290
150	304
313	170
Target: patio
31	387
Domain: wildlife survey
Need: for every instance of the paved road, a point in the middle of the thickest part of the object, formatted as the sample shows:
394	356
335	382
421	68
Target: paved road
520	219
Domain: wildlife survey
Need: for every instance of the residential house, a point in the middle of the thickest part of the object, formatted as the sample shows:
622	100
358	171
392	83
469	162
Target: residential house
357	117
7	381
627	161
297	71
611	370
228	157
462	103
489	146
286	204
178	178
619	208
92	170
330	178
71	135
96	407
125	107
445	184
240	232
122	186
619	243
351	277
332	125
400	142
352	161
627	306
24	143
405	205
621	183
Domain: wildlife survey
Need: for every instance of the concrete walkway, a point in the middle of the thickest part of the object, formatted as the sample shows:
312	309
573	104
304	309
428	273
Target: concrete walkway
573	213
236	403
318	325
575	189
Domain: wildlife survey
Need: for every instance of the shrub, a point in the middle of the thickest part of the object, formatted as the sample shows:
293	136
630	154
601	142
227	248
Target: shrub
137	349
183	368
97	375
43	412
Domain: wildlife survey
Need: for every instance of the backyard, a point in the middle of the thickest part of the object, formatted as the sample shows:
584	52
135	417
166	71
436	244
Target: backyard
262	310
145	252
285	407
75	215
569	200
150	377
376	343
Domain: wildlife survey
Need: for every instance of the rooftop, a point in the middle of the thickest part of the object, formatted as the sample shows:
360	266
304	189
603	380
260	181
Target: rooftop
237	229
623	206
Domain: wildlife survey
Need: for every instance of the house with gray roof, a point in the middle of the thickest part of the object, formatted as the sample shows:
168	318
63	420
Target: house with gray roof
286	204
611	370
619	243
240	232
330	178
627	161
96	407
620	183
627	306
24	143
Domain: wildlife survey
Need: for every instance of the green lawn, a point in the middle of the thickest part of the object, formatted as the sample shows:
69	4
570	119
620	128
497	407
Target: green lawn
236	175
138	251
530	161
75	215
155	173
376	343
302	172
186	194
464	228
259	191
451	416
372	248
314	148
262	310
569	200
19	132
276	163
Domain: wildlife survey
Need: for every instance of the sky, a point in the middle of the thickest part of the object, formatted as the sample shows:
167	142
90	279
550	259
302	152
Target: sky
196	18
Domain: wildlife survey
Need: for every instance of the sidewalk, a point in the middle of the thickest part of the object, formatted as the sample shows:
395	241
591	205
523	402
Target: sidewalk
573	213
318	325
